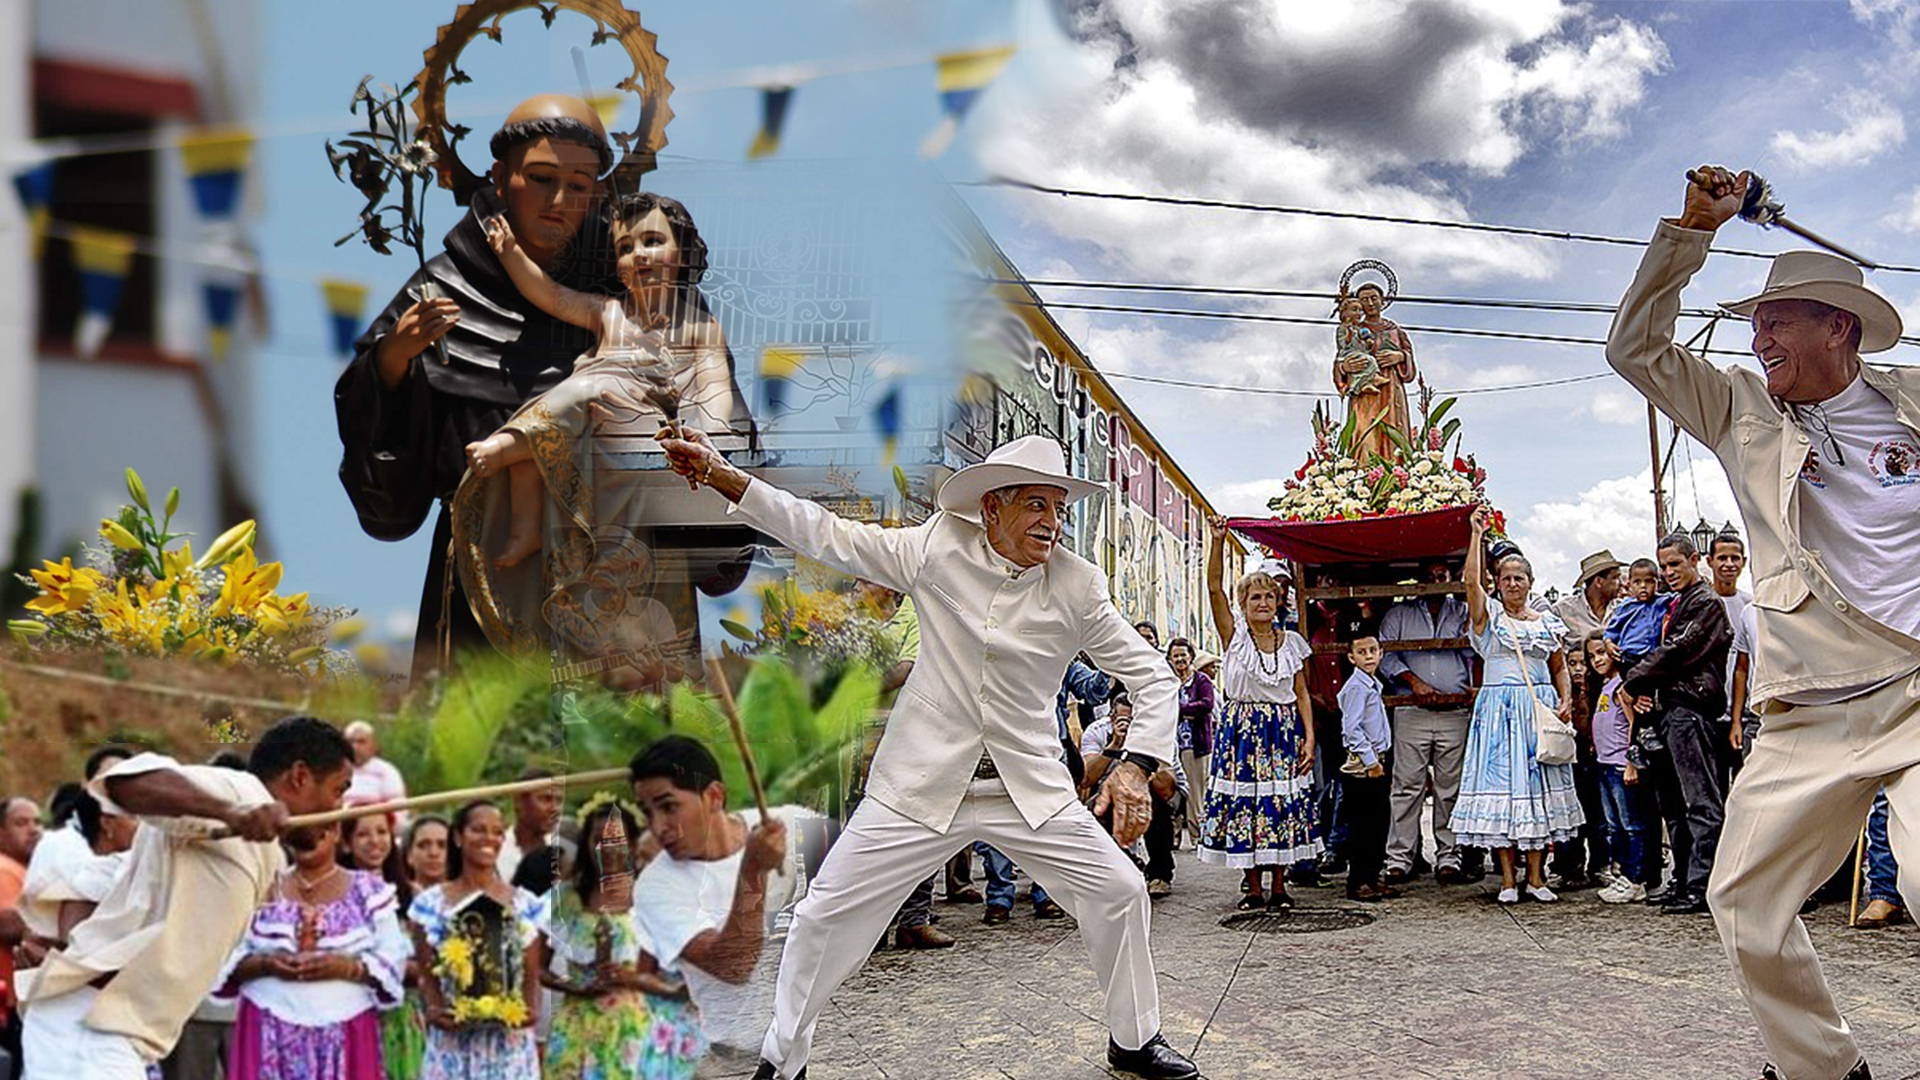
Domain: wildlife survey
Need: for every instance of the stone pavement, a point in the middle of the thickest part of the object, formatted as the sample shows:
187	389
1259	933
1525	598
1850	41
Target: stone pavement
1443	983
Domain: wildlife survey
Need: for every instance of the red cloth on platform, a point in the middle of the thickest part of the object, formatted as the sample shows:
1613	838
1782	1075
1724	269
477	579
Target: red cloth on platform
1433	534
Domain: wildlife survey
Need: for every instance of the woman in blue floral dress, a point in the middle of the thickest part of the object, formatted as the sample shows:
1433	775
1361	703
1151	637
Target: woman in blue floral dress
470	1048
1259	813
618	1018
1508	800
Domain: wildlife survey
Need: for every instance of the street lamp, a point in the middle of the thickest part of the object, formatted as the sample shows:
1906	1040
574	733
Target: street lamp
1703	535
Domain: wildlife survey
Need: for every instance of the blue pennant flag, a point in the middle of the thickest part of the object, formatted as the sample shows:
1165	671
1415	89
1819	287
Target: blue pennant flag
773	117
34	184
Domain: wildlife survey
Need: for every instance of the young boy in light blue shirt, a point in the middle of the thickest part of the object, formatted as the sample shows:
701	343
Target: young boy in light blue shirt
1365	795
1634	627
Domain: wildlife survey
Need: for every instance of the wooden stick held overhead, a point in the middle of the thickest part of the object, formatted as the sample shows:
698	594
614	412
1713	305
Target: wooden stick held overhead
444	798
718	676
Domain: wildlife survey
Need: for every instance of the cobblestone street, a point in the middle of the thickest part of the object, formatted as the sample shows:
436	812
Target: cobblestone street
1442	983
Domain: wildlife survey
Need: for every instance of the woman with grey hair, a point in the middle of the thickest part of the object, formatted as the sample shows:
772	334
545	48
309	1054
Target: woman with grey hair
1509	801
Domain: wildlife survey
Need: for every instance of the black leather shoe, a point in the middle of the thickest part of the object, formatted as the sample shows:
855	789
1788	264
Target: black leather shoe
1155	1061
1860	1072
996	915
1685	904
766	1072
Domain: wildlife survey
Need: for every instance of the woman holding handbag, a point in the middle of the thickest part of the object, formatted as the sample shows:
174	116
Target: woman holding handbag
1510	797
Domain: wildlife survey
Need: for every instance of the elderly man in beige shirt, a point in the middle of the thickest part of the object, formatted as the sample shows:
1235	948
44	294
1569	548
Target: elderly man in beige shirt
1823	452
113	997
971	750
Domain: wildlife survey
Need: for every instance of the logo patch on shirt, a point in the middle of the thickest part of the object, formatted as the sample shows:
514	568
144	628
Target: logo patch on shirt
1895	462
1810	471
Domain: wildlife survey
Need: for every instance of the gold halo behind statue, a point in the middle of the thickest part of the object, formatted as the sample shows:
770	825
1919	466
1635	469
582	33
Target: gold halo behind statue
639	147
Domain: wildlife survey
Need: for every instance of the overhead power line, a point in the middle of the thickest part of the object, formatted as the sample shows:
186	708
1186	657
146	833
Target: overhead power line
1271	391
1301	320
1349	215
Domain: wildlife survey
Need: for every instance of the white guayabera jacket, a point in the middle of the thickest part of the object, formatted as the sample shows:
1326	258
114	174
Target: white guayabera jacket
995	641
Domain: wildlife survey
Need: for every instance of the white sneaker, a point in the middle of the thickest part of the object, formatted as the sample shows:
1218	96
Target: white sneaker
1606	876
1624	892
1509	896
1542	894
1611	894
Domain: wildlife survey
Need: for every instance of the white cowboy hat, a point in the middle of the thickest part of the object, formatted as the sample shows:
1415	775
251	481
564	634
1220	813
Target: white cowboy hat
1031	459
1594	565
1831	280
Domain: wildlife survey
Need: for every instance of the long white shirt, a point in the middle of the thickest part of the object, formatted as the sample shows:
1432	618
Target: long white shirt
995	641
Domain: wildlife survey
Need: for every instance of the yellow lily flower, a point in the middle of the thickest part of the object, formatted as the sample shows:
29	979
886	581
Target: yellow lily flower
279	614
247	584
175	563
134	619
227	543
64	588
118	535
138	490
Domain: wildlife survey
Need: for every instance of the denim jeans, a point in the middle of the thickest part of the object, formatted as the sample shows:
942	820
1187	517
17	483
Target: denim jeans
1626	827
917	909
1883	874
1693	747
999	872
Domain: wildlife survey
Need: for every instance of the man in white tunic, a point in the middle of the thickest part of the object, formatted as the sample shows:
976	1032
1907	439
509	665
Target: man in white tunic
114	996
1823	452
972	750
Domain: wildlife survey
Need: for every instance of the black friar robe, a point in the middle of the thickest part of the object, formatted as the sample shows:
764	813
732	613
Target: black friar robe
404	448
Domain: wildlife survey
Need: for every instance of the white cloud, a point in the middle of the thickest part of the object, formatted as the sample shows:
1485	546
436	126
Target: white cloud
1873	126
1617	514
1906	213
1618	407
1247	498
1305	105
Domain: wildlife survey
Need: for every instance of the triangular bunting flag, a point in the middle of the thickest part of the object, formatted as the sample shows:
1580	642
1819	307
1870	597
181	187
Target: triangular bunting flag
34	184
346	300
216	159
886	417
222	299
778	366
607	106
960	77
103	257
773	117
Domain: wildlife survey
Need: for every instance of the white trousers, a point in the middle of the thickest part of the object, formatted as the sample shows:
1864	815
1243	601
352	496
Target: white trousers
58	1046
882	855
1792	818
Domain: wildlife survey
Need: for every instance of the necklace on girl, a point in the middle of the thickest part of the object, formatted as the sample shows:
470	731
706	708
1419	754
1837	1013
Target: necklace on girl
306	887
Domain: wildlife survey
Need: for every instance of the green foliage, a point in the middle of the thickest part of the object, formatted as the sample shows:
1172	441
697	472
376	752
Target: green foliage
15	592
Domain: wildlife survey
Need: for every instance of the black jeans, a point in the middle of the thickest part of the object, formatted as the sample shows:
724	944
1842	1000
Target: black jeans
1367	803
1162	828
1694	746
1585	854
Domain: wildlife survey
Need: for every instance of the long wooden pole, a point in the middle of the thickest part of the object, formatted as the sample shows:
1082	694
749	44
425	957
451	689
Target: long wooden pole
443	798
1859	861
718	677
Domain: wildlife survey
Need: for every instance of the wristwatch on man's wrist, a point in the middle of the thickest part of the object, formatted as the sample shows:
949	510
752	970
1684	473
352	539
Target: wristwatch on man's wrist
1147	765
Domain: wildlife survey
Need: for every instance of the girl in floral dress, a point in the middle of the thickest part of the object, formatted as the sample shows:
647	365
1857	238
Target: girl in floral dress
619	1018
500	1046
318	963
1259	797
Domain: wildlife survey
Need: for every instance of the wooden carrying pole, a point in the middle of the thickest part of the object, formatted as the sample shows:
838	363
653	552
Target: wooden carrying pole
718	677
443	798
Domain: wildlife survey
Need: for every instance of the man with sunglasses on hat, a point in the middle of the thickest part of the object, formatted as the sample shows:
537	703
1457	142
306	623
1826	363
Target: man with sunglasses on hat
1820	448
972	749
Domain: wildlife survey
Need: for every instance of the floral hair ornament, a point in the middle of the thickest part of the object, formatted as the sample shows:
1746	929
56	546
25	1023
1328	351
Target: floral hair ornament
604	798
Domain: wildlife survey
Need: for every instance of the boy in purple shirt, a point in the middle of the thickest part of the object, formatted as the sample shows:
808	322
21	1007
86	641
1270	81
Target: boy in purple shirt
1363	779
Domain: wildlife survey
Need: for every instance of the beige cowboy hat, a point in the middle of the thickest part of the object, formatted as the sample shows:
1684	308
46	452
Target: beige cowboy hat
1594	565
1831	280
1031	459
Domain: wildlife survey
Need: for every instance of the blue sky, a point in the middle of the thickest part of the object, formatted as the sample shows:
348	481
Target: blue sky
317	53
1569	117
1574	117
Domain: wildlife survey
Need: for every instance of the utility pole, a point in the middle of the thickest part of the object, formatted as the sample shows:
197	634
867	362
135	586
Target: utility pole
1659	476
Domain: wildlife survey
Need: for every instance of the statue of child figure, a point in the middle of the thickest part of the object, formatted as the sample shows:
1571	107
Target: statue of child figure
660	356
1356	370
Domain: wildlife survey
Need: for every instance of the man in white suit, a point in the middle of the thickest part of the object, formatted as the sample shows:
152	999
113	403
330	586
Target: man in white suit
971	751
